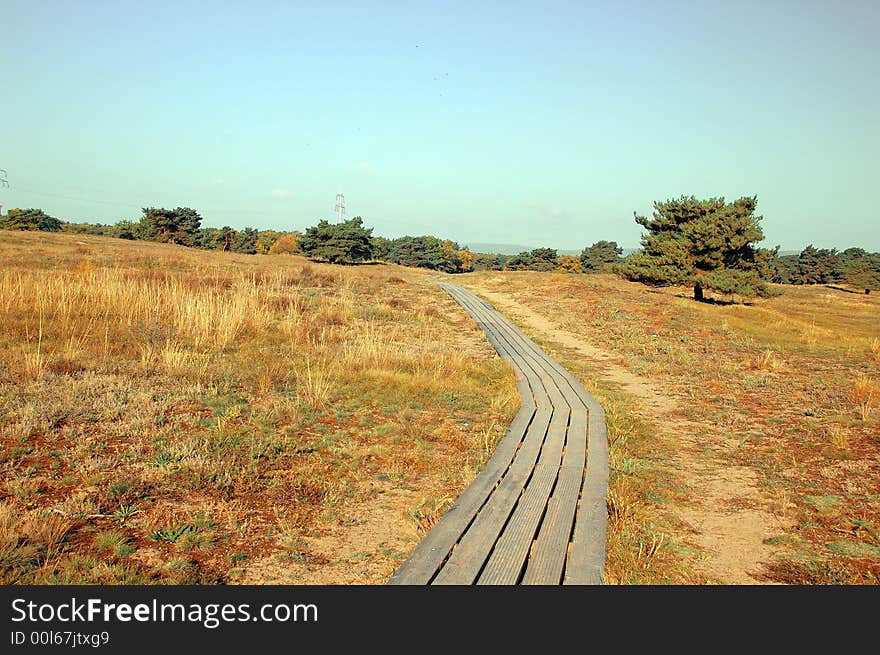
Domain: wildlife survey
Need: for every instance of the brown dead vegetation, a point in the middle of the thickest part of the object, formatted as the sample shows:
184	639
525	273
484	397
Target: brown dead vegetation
178	416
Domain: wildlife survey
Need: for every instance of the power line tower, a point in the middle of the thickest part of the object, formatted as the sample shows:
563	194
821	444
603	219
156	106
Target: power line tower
3	183
340	208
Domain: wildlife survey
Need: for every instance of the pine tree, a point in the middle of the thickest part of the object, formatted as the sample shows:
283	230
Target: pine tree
539	259
29	219
706	243
345	242
818	266
600	256
179	225
245	241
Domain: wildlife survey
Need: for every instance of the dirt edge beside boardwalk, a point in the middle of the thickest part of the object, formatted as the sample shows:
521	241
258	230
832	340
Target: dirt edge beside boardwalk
726	514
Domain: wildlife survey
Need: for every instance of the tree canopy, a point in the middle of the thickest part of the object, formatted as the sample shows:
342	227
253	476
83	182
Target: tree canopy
29	219
539	259
707	243
180	225
345	242
489	261
245	241
600	256
275	242
818	265
424	252
853	266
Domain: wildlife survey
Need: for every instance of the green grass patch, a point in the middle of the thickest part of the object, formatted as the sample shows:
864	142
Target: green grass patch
855	549
824	504
634	465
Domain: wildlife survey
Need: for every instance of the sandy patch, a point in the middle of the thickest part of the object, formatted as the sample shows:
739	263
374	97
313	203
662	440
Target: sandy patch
365	547
725	511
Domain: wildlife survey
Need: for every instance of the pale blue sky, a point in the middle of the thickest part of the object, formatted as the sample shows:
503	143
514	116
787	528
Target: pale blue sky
536	123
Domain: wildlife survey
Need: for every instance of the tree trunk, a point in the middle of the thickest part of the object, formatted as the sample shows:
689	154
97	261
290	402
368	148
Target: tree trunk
698	291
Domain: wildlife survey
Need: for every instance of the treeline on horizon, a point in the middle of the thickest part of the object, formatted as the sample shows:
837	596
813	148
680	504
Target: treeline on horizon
349	242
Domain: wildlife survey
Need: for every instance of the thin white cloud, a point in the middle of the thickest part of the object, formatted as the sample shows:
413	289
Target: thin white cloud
282	193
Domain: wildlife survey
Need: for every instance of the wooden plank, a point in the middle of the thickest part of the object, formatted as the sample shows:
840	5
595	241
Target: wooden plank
586	562
469	556
432	551
509	555
550	552
522	516
506	561
576	440
426	560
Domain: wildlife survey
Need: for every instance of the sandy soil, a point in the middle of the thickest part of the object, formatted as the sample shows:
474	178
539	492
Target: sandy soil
727	515
366	549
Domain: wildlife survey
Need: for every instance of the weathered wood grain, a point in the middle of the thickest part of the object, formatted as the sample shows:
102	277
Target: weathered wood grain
536	513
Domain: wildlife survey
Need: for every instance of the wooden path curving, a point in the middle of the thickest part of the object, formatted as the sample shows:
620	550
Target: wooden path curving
536	513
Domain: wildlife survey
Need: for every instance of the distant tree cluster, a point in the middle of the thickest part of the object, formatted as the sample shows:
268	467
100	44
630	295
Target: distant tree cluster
853	266
539	259
601	256
29	219
347	242
181	225
95	229
424	252
489	261
710	244
285	243
568	264
593	259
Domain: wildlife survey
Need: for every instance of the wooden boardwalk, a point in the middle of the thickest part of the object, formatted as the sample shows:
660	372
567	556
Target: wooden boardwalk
536	513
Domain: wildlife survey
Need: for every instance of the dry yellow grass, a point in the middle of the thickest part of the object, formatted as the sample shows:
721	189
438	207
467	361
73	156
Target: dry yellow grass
784	388
866	395
177	398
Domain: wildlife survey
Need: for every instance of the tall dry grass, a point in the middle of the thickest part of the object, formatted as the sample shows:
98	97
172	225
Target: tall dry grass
144	382
153	311
865	395
177	321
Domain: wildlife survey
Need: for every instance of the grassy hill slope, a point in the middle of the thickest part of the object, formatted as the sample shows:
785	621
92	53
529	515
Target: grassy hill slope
178	416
